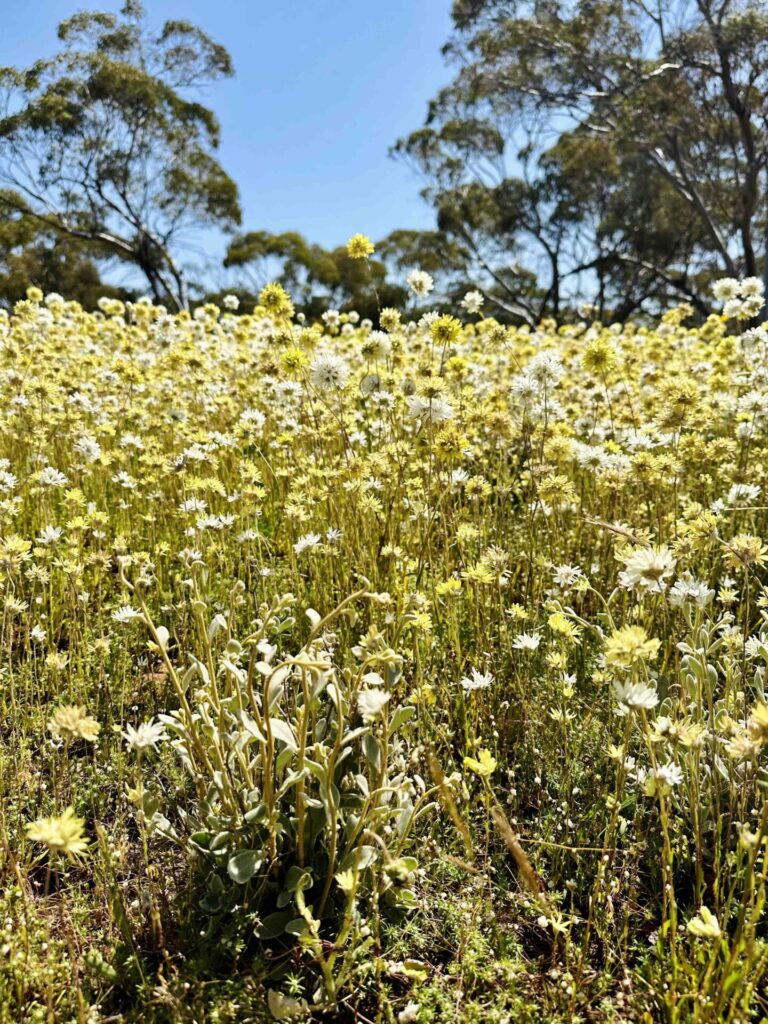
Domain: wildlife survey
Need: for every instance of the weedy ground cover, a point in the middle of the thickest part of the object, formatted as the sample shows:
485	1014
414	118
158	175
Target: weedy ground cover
410	674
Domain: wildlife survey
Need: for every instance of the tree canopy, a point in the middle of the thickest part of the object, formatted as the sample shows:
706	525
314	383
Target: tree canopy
106	142
610	150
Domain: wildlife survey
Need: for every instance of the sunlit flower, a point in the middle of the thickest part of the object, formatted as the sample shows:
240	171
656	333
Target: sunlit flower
359	247
472	302
629	646
62	834
484	765
72	722
420	282
145	737
329	372
371	702
647	569
704	925
477	681
634	697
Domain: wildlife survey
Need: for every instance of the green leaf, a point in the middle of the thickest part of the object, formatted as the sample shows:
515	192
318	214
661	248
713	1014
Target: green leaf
274	924
401	716
202	840
283	732
360	858
372	752
220	841
256	814
244	865
297	878
318	770
355	734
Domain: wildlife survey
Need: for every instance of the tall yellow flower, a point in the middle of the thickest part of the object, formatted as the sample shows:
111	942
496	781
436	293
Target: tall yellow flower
484	766
360	247
630	645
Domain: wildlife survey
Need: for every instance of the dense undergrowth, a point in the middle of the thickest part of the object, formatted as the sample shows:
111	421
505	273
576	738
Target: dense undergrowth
412	674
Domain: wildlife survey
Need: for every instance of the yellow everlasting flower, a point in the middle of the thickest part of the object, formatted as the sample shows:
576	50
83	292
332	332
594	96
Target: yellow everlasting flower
484	766
72	722
630	645
62	834
360	247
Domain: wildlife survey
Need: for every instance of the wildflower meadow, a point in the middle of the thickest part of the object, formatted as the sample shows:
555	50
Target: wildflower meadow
408	673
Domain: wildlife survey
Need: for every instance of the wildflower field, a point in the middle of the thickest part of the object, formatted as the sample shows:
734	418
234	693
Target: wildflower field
400	674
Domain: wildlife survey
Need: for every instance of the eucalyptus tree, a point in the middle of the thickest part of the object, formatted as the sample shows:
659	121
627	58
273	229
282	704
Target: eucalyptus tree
107	142
617	149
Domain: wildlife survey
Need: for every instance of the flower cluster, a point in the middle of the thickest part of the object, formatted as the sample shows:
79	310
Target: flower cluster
560	538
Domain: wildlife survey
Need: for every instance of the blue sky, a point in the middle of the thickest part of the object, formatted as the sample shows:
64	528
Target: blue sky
322	89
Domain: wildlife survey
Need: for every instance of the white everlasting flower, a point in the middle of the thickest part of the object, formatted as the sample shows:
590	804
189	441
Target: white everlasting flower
733	309
127	613
370	703
566	575
668	774
429	410
634	697
49	535
146	736
751	306
125	480
590	456
329	372
473	302
308	540
477	681
377	346
420	282
648	569
523	388
742	494
726	288
50	477
545	370
231	302
193	505
88	447
689	590
526	641
752	286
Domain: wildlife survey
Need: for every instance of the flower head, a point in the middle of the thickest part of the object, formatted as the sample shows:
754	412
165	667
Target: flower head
62	834
629	646
705	925
634	697
329	372
473	302
484	766
145	737
477	681
420	282
370	703
360	247
71	722
647	569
